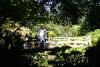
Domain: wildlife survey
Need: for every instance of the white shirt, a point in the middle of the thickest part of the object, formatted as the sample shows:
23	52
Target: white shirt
41	33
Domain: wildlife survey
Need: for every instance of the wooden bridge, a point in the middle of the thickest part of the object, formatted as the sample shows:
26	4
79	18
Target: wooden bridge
70	41
83	41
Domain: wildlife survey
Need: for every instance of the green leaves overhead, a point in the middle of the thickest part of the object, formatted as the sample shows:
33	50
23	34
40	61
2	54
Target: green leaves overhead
59	11
20	9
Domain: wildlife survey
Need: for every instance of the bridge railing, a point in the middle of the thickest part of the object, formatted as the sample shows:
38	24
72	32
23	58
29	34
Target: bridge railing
84	40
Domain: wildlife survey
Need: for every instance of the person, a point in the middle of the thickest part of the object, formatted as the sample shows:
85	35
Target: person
27	44
42	37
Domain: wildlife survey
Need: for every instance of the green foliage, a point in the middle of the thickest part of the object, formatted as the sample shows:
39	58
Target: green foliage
22	10
95	36
12	26
76	60
84	26
40	59
52	28
80	49
93	17
63	11
76	56
51	34
75	30
35	14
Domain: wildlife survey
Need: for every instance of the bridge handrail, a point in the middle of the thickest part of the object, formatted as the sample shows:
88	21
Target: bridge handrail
83	40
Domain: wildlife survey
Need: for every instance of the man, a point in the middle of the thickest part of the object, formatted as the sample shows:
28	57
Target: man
42	36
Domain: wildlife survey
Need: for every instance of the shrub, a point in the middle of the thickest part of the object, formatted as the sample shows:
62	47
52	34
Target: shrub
75	30
51	34
53	29
95	36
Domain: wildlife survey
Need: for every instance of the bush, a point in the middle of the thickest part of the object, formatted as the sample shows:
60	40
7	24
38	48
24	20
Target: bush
95	36
53	29
75	30
51	34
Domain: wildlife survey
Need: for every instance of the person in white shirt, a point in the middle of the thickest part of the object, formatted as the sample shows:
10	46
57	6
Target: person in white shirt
42	35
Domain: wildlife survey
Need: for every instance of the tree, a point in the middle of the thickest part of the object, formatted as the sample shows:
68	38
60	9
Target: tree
18	10
93	16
